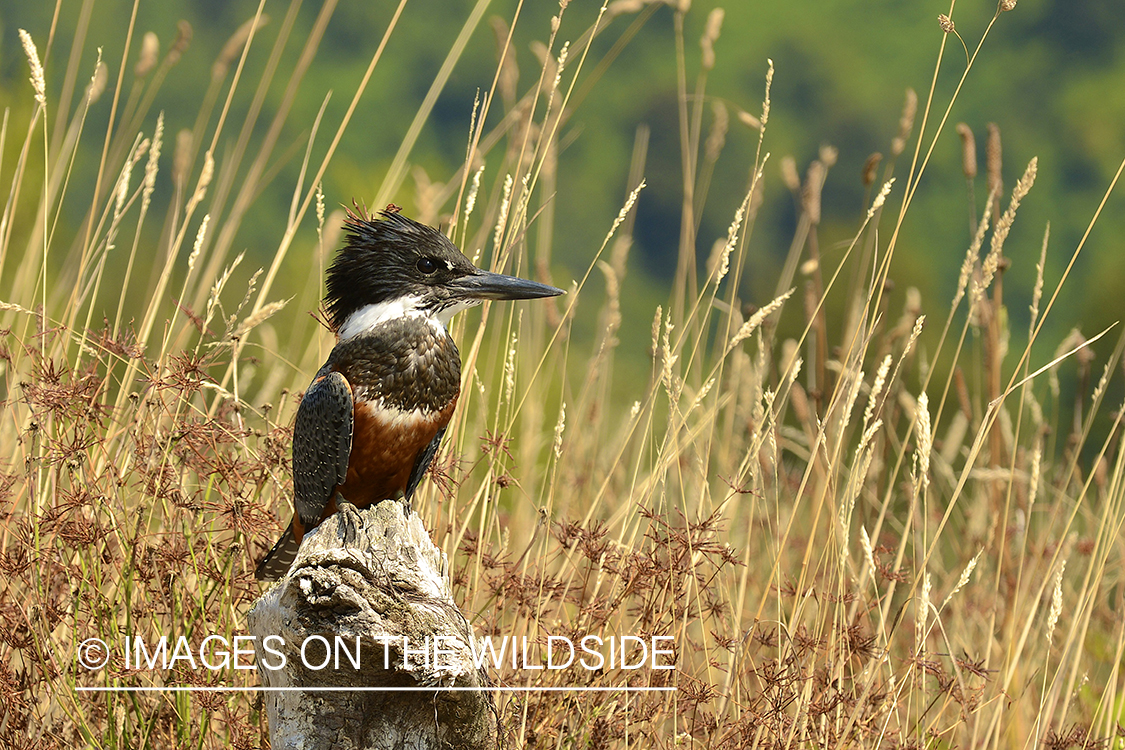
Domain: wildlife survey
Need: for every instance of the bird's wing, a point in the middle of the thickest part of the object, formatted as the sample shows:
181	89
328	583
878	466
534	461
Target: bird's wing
422	463
322	444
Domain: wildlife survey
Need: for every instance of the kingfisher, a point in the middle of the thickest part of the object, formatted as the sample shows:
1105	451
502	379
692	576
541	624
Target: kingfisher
371	421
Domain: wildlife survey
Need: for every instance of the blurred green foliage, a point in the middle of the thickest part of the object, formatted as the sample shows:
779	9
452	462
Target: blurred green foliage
1050	75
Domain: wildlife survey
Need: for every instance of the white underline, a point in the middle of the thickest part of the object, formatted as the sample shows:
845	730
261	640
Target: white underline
228	689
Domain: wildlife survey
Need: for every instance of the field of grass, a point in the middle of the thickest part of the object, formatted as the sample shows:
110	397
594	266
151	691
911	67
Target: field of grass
886	531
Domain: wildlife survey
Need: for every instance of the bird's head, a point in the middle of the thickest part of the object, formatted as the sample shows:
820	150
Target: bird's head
392	266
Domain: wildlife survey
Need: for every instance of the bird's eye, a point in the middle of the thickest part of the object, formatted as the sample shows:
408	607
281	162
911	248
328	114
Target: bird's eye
427	265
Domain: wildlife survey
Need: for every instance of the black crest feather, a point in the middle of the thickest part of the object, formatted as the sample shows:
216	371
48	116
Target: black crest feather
378	261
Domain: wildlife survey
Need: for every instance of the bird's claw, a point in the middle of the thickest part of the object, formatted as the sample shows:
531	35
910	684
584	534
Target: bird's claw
408	507
350	520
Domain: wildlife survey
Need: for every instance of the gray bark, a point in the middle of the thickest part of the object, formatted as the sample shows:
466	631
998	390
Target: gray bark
376	576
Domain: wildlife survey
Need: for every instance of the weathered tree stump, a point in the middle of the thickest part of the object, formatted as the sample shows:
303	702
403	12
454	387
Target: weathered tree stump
372	575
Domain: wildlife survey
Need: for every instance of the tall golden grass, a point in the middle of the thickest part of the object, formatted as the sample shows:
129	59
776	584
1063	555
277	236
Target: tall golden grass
855	537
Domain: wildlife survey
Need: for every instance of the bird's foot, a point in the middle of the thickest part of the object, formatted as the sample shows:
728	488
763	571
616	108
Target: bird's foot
408	507
350	520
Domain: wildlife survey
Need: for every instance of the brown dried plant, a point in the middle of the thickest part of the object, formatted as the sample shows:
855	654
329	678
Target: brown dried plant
787	496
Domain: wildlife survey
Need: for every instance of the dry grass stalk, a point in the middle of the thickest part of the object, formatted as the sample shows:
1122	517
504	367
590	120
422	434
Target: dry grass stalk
143	483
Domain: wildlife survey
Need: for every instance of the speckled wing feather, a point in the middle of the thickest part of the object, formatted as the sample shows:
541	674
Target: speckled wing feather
322	443
422	463
278	560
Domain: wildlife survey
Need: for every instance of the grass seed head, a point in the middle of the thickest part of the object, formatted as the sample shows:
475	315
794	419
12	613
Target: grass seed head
922	618
232	50
905	122
766	101
925	439
716	139
870	168
993	157
789	174
98	81
474	188
1056	603
37	82
968	151
881	198
180	44
560	427
810	195
150	52
710	35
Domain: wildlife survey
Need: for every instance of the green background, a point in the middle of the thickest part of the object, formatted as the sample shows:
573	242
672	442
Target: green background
1051	75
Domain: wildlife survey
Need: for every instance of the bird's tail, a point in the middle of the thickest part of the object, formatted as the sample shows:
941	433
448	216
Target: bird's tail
277	561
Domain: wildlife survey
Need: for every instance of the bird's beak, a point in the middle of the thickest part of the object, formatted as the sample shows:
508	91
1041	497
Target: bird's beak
484	285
